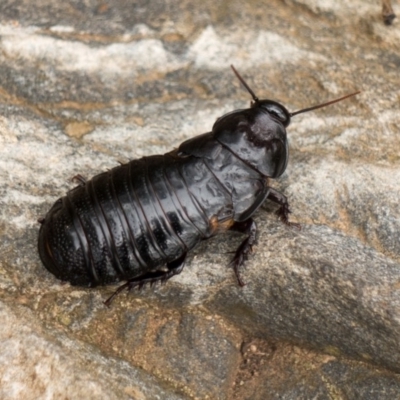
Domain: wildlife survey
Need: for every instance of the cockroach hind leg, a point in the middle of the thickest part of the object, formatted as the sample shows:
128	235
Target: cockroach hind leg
118	291
80	179
173	268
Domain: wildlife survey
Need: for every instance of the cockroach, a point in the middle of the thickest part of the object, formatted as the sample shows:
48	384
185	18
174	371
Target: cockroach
138	221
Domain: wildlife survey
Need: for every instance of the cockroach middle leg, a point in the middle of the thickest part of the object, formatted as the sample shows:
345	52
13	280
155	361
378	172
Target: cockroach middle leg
248	227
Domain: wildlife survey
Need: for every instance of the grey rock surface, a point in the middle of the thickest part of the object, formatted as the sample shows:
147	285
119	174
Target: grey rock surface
85	85
37	362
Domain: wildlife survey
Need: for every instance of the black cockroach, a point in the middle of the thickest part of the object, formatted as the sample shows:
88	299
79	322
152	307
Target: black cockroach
137	222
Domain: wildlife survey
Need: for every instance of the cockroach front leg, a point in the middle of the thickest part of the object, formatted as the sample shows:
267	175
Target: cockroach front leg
248	227
284	210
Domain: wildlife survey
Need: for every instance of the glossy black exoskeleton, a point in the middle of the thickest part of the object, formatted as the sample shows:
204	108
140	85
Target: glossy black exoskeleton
137	222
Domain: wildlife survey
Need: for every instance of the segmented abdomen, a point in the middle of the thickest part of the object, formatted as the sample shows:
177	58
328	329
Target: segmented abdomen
130	220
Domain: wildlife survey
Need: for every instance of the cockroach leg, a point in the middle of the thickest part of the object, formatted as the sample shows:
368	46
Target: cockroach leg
284	210
80	179
174	268
248	227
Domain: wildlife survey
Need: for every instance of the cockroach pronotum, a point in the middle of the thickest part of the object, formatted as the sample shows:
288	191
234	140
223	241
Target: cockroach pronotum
137	222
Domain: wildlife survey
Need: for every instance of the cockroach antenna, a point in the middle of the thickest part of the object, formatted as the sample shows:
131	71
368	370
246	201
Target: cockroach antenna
257	100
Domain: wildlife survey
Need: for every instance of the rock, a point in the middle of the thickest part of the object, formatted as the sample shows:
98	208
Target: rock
85	86
38	364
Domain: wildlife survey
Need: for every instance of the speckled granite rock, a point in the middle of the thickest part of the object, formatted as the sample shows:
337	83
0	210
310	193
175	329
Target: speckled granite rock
85	85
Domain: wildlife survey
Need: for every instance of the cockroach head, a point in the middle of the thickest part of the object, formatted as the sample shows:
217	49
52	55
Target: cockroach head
276	110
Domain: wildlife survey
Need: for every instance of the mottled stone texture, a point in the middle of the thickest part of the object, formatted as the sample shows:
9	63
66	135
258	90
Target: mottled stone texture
86	84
